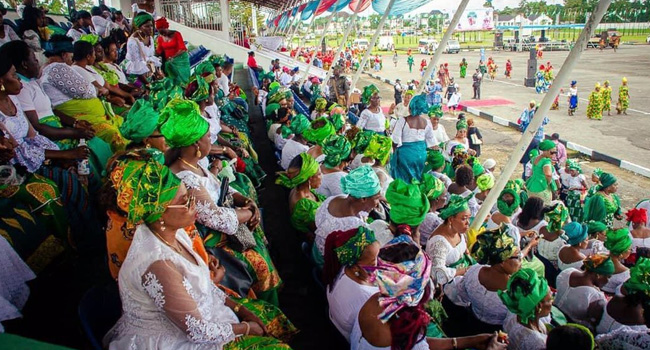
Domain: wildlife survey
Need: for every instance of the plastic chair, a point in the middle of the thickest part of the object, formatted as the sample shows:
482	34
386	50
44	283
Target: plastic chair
99	309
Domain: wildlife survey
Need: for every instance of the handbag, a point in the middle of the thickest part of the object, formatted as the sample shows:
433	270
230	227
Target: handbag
476	140
243	238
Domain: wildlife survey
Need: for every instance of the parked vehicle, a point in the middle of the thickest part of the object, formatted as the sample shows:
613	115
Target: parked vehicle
386	43
427	46
453	46
361	44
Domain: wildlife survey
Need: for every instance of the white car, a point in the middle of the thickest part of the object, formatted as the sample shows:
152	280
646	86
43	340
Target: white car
453	46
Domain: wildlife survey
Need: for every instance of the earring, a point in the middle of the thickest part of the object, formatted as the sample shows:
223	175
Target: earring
2	88
162	225
198	152
356	273
147	146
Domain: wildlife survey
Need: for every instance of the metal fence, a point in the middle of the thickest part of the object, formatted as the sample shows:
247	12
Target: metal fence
195	14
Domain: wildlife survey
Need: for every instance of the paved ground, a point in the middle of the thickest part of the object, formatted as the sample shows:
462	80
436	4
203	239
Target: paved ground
623	137
499	142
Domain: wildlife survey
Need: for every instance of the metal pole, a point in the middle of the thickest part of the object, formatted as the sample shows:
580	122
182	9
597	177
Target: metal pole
311	57
295	28
289	25
443	43
363	62
280	12
287	7
561	79
313	19
351	24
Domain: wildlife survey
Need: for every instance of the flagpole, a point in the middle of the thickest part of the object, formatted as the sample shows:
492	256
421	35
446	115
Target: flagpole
561	79
363	62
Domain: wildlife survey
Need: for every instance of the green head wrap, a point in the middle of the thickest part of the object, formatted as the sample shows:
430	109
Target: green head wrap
140	122
308	169
362	140
410	92
336	149
198	89
163	91
524	292
598	172
503	206
368	91
513	185
418	105
576	233
267	75
600	264
435	160
477	168
320	104
457	204
575	166
274	85
533	153
271	108
298	125
639	281
408	205
435	111
494	246
461	124
546	145
350	252
485	182
606	180
337	121
460	149
431	186
93	39
361	182
276	94
595	227
318	135
288	94
618	241
215	59
144	185
557	217
141	19
379	148
181	123
206	70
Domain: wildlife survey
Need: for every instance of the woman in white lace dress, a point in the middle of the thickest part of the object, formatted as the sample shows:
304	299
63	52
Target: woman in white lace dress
578	292
619	244
528	299
348	211
498	257
140	49
168	298
187	134
447	247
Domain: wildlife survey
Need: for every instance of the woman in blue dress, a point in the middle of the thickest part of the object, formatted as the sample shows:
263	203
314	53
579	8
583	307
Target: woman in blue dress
540	80
573	98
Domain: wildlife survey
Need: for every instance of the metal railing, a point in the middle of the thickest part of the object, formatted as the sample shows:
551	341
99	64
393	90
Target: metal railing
195	14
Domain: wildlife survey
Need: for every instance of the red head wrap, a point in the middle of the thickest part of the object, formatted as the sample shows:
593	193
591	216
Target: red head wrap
332	266
162	23
637	216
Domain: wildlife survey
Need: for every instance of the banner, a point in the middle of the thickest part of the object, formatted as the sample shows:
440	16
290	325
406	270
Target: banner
477	19
400	7
364	5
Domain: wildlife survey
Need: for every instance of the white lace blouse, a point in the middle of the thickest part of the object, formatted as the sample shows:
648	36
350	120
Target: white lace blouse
522	338
138	55
615	281
207	190
168	302
331	184
575	301
486	305
345	300
624	338
326	223
442	254
404	133
61	84
608	324
372	121
14	274
430	224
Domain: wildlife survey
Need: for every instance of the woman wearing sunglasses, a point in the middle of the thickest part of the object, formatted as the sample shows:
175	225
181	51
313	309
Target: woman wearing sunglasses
541	183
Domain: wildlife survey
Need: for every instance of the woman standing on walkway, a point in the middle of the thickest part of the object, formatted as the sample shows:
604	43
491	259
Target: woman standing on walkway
595	107
463	68
623	98
411	138
508	69
573	98
604	205
410	62
541	183
606	97
474	137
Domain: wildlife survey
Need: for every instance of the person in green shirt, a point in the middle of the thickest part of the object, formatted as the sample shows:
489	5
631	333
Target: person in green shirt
541	183
604	206
410	62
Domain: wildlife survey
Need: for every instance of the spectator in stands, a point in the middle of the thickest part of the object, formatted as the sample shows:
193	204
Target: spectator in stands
102	25
223	79
140	50
121	22
6	33
146	6
31	31
252	63
81	20
171	47
560	157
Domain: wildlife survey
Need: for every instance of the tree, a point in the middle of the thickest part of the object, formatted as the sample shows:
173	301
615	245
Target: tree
374	21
